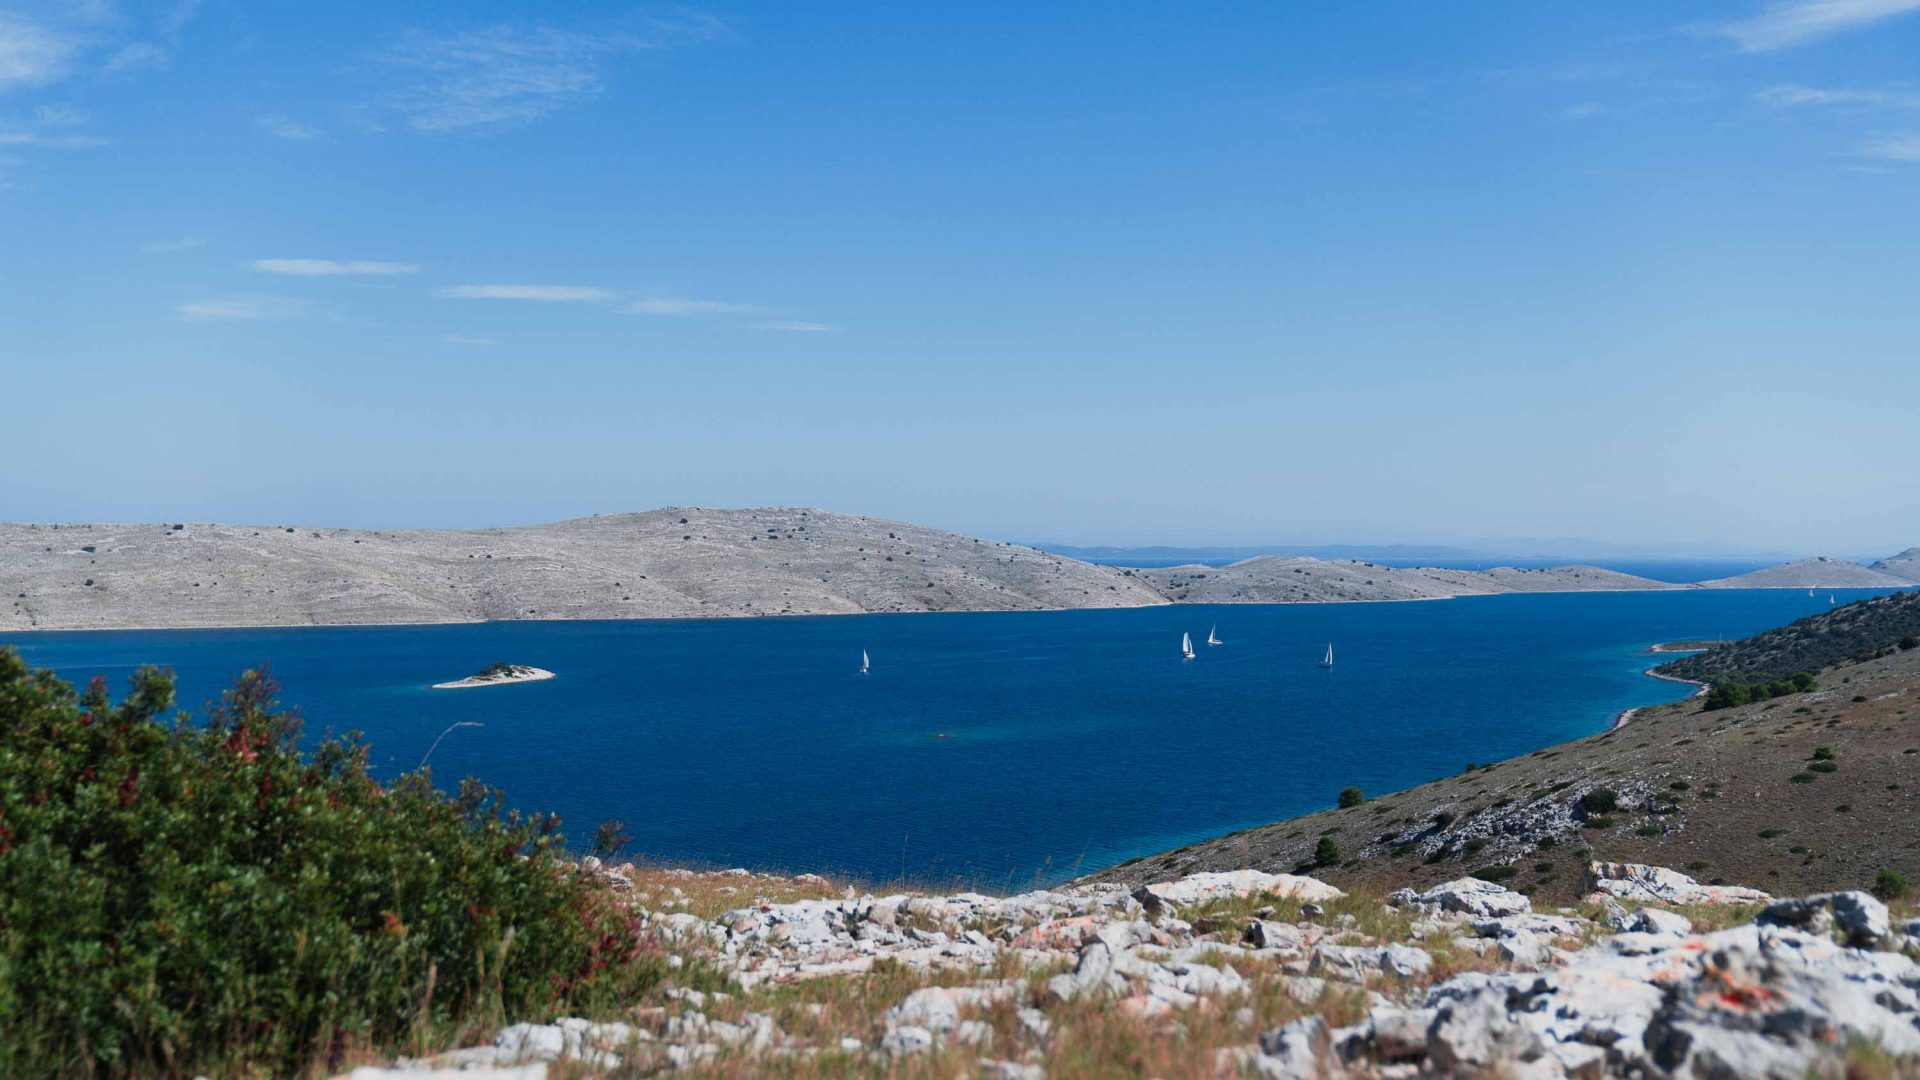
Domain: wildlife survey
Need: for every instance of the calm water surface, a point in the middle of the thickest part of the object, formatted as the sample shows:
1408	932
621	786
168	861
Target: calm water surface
996	749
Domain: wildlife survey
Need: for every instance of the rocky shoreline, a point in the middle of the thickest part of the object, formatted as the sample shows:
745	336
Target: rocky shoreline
1240	973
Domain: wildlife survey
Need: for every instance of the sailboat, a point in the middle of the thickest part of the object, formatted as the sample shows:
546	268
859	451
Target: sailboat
1186	646
1831	600
1328	662
1213	638
864	662
1809	590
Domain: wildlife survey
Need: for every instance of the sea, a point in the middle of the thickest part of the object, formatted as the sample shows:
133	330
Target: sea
999	750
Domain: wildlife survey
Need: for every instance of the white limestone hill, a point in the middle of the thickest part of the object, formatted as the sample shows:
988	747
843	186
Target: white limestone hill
676	562
1821	573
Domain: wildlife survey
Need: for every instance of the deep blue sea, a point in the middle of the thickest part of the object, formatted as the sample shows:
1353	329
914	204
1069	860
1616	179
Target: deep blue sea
996	749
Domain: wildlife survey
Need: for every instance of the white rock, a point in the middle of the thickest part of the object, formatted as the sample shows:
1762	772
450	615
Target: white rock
1657	884
906	1041
1195	888
1472	896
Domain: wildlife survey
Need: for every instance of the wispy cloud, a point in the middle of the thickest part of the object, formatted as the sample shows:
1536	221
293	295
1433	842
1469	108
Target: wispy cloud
241	309
548	293
1787	23
510	74
1903	147
684	309
626	303
1586	110
331	267
32	53
49	140
284	127
139	56
791	327
183	244
462	339
1791	95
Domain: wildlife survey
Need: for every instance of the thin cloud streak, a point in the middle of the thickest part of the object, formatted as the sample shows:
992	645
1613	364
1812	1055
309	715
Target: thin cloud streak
282	127
1902	148
543	293
791	327
1787	23
502	76
682	309
1793	95
240	309
331	267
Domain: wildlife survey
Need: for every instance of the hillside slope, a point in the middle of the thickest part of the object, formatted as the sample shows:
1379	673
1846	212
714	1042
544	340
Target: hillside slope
659	564
1737	794
1856	631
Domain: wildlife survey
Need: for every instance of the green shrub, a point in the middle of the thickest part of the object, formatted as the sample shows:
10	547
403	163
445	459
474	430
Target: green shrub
1823	753
1823	766
1496	873
1326	852
1890	885
1600	801
1598	823
179	899
1801	778
1351	797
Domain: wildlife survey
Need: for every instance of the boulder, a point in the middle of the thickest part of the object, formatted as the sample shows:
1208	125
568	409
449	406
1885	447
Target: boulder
1284	937
1197	888
1863	919
1659	885
1656	921
1356	962
1472	896
1476	1034
1293	1052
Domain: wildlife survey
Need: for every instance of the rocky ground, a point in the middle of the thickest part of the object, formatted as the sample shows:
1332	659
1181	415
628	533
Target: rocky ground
1238	974
1803	793
674	563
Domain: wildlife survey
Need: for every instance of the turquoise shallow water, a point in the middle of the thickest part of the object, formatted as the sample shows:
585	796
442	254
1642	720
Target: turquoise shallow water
995	749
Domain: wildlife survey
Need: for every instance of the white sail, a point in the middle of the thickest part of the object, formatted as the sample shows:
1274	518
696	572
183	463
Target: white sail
1328	662
1186	646
1831	600
1213	636
864	662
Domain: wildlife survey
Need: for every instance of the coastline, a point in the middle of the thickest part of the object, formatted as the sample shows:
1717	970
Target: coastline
805	614
1626	715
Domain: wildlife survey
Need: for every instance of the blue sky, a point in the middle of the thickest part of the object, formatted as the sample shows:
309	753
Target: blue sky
1101	272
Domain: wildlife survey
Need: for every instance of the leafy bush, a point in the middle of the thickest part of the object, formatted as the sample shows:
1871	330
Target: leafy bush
1351	797
1823	753
1823	766
1890	885
179	899
1600	801
1326	852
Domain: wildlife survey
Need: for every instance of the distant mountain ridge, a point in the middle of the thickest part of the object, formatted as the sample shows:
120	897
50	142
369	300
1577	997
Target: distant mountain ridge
690	562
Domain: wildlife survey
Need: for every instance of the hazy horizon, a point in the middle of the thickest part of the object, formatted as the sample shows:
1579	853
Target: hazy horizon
1089	274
